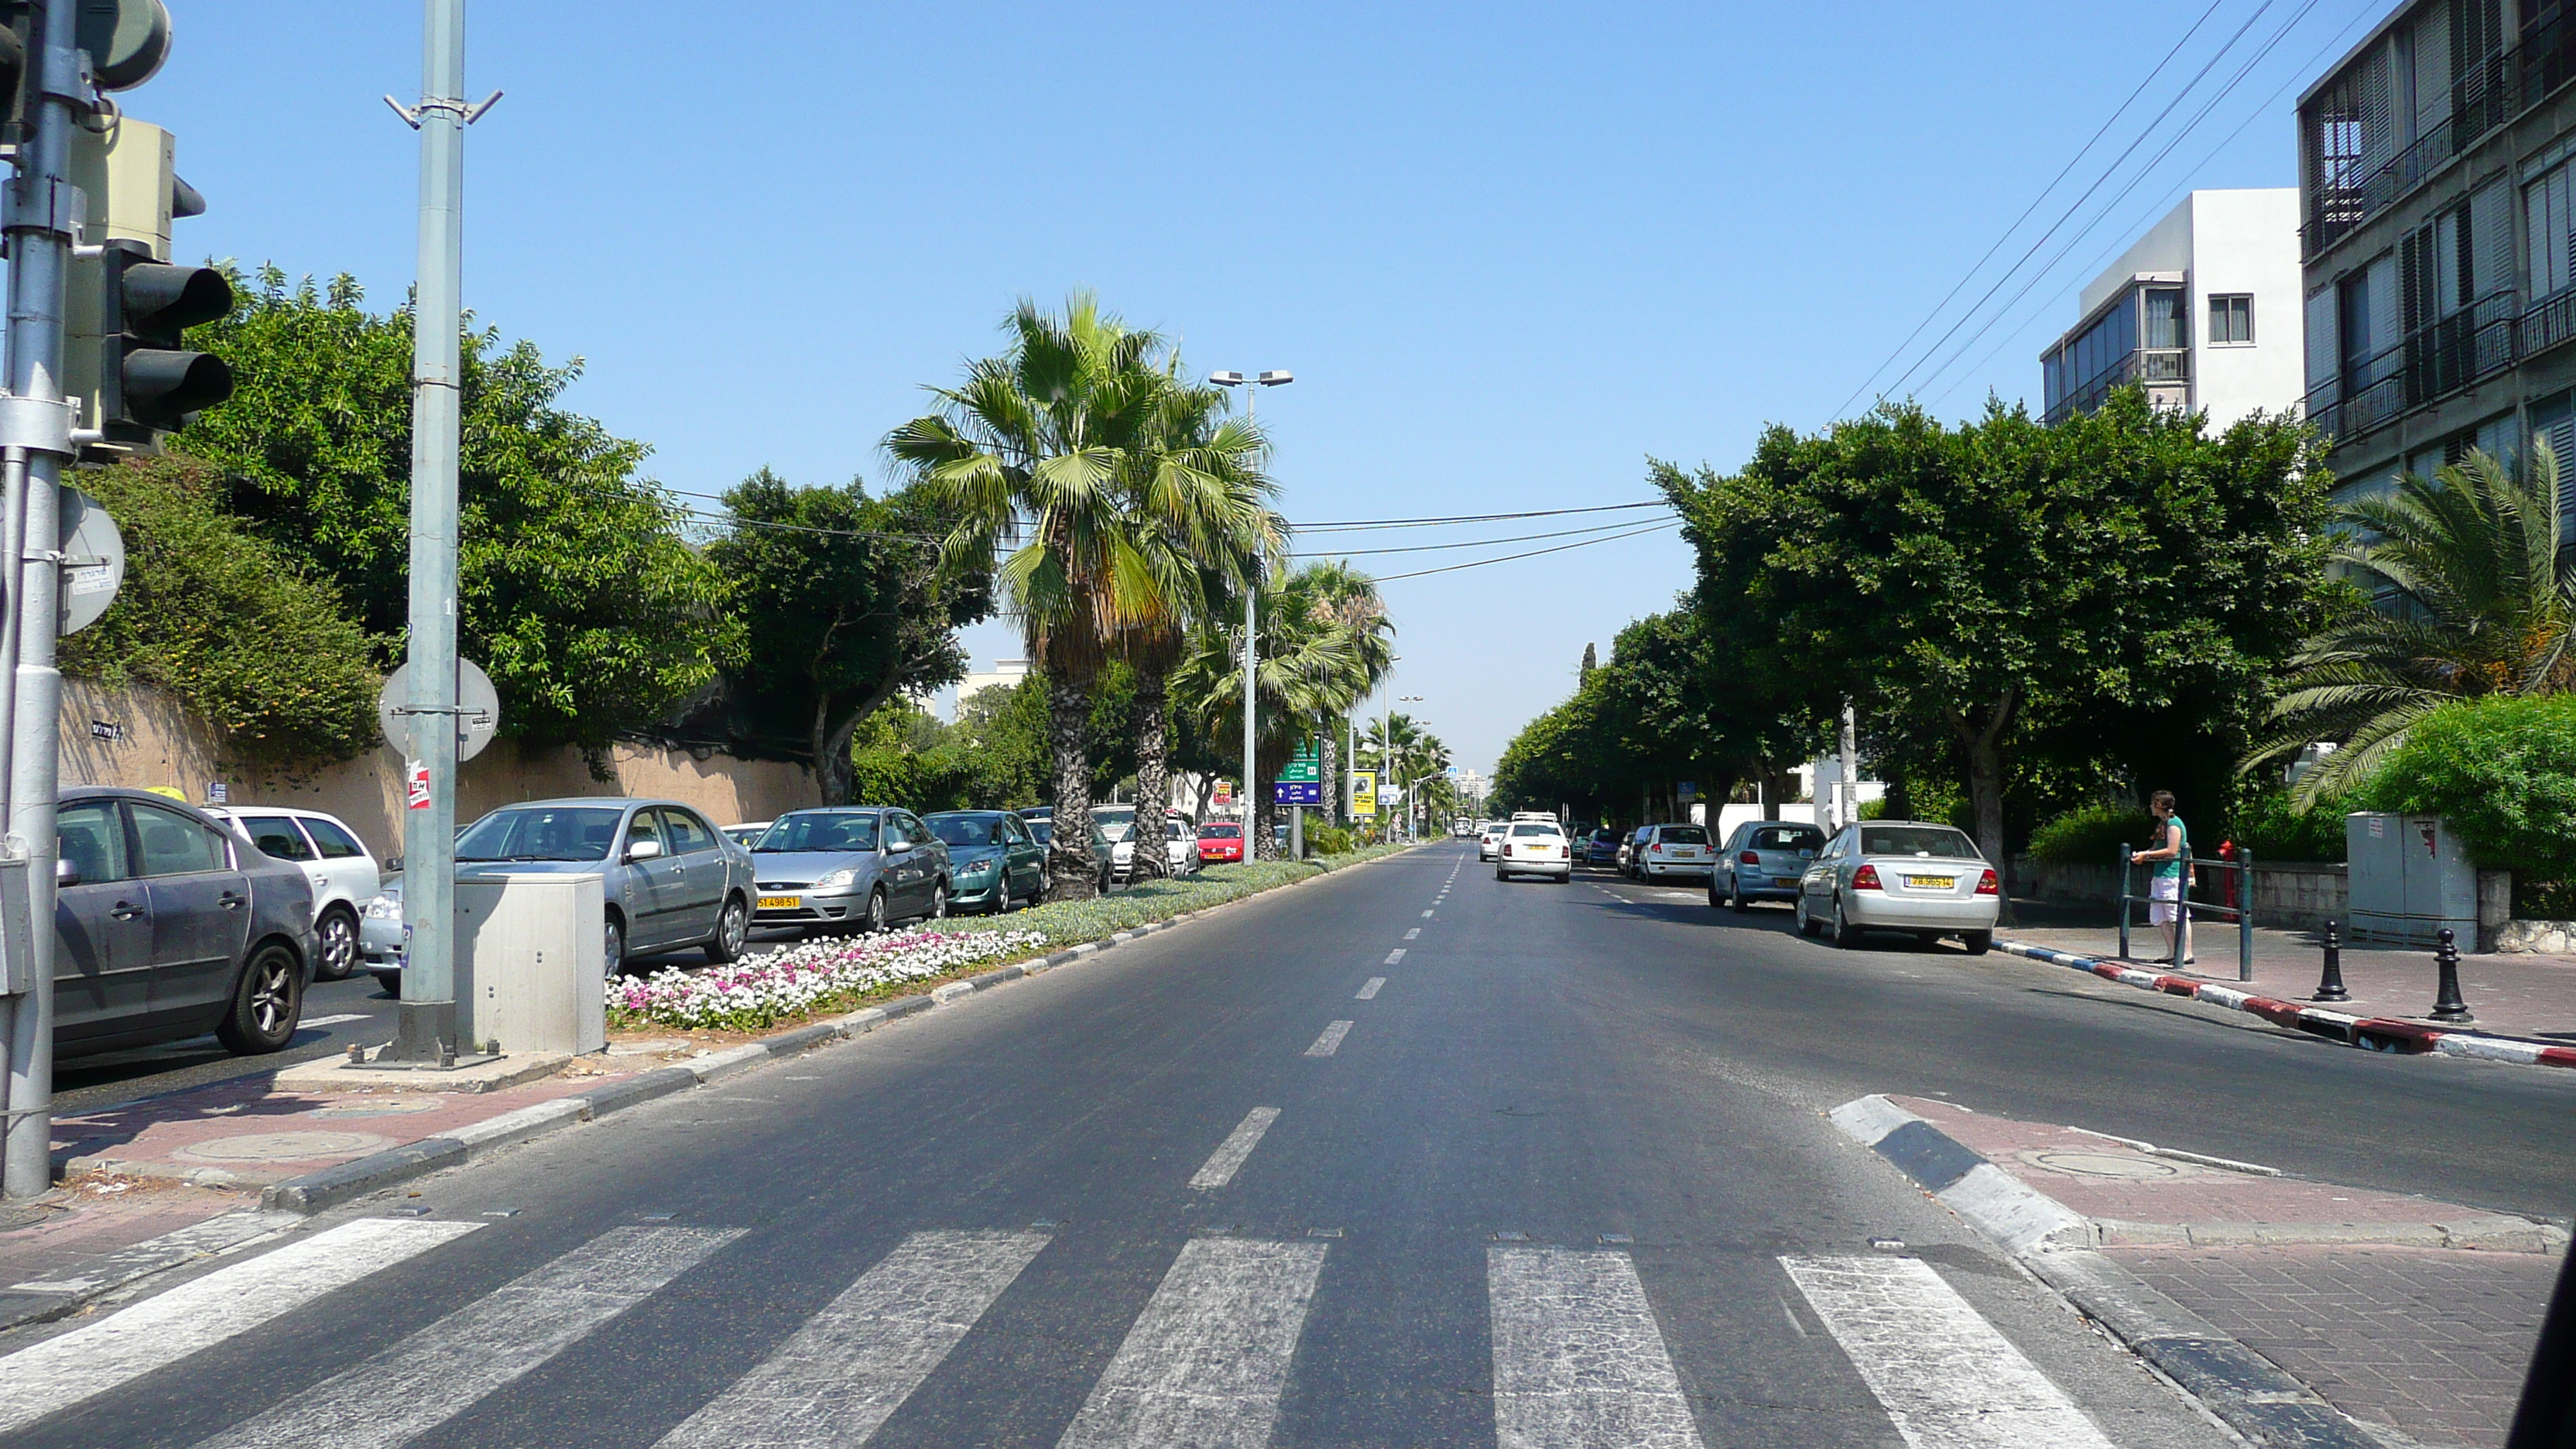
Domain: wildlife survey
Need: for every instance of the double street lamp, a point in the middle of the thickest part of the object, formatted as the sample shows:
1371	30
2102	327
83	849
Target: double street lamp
1251	596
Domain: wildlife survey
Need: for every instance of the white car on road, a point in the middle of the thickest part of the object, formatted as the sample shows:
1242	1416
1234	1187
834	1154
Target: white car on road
1901	875
1670	850
1535	847
1492	839
343	874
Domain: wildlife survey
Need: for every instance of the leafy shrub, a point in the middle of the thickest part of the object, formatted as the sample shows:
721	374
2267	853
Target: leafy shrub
2503	772
2092	835
2269	826
1328	840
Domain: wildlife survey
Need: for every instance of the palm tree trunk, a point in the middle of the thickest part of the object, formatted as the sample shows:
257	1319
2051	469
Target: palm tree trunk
1266	763
1069	858
1152	859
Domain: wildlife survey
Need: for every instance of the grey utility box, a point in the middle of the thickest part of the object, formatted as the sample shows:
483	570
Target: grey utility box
2410	879
17	941
531	964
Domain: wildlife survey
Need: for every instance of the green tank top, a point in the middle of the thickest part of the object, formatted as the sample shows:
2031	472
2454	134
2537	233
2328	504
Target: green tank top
2170	869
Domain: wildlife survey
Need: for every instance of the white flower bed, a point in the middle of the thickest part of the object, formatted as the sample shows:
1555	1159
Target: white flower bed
761	991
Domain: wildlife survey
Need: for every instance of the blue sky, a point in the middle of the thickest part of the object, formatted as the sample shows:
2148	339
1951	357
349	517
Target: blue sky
1510	251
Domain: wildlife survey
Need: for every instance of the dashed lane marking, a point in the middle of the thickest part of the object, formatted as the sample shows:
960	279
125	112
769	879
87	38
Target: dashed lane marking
1229	1156
1394	956
1369	992
1416	931
1331	1041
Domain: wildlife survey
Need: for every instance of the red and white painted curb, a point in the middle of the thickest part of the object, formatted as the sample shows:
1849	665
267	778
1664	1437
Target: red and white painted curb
2373	1033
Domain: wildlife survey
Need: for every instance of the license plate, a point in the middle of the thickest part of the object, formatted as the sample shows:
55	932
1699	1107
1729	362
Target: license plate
781	903
1933	882
1786	880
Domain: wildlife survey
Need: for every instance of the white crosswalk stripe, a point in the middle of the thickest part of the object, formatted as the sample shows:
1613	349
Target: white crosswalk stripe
1944	1375
454	1363
1207	1360
160	1331
853	1364
1579	1362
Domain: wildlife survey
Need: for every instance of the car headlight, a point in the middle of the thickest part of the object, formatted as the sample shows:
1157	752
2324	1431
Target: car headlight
972	868
384	908
839	880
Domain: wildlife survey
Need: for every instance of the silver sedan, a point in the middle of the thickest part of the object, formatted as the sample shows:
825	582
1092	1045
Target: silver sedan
1901	875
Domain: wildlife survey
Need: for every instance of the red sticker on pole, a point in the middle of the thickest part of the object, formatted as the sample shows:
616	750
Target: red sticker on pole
418	774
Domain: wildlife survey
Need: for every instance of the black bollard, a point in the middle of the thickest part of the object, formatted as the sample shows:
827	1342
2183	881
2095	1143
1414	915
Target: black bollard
2330	985
2448	1007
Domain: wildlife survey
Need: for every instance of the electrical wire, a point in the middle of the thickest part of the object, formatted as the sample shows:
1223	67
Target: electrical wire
2044	192
1533	553
1473	543
1342	526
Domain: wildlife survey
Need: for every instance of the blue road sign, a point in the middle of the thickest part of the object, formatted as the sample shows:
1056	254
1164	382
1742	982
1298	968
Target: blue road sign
1297	792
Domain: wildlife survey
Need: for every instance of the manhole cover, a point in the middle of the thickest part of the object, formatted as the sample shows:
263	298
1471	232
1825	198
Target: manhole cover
283	1147
380	1109
2102	1164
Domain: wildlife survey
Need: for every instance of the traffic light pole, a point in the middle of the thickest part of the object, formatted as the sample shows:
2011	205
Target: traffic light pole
35	441
425	1030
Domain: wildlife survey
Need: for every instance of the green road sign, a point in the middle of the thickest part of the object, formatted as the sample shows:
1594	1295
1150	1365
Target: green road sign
1304	767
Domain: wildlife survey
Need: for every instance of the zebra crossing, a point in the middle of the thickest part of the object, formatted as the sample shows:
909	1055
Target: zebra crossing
1579	1359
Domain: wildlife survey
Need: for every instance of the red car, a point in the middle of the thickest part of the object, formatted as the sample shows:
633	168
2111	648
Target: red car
1220	843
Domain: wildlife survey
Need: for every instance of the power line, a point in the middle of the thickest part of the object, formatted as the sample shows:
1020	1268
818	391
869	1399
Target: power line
1472	543
1533	553
2085	150
1468	517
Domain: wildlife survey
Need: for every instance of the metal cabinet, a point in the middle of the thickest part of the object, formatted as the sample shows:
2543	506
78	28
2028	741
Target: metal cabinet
531	964
2411	878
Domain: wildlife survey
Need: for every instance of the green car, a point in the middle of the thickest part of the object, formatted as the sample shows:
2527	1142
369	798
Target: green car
995	860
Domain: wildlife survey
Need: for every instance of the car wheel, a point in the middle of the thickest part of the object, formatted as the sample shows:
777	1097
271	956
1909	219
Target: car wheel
733	927
266	1004
1735	894
1846	935
1977	942
877	911
1501	874
938	901
336	943
613	943
1806	920
389	982
1002	895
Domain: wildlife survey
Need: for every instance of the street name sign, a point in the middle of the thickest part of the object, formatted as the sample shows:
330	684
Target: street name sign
1297	792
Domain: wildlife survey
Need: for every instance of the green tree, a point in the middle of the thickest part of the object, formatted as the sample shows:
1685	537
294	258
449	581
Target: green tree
231	624
576	592
2480	601
1309	668
1950	580
1028	454
844	605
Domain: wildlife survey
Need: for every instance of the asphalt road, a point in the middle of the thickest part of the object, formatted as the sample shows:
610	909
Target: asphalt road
1560	1178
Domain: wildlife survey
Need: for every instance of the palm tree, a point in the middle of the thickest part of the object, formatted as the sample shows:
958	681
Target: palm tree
2478	599
1347	600
1031	451
1307	670
1199	510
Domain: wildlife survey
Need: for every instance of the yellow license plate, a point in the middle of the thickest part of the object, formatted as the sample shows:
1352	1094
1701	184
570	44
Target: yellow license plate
781	903
1933	882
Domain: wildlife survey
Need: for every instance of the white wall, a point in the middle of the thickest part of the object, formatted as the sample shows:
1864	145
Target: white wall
2165	248
2248	241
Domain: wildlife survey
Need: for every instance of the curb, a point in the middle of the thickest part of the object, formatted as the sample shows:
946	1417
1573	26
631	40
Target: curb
2242	1388
2371	1033
315	1191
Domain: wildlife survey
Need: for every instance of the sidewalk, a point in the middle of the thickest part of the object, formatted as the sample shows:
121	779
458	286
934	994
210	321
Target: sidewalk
2414	1317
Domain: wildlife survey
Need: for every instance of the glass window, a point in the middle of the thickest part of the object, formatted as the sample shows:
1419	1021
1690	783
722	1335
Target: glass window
571	832
2231	319
902	829
2168	325
1527	828
822	830
1787	837
644	827
1916	840
1682	835
1221	832
276	836
966	829
90	837
336	843
2550	213
168	843
1018	828
688	833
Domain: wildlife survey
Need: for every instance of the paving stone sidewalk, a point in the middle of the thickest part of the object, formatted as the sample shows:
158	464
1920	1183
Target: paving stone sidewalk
2530	996
2415	1317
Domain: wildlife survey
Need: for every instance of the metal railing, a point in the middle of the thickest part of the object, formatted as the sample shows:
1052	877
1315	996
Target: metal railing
2242	913
2434	361
2143	365
2487	94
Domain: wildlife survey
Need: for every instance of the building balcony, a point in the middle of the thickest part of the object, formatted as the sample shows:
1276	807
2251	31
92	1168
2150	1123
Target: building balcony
2164	371
2433	362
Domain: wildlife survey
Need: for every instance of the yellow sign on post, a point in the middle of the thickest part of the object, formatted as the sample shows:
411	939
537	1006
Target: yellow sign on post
1364	794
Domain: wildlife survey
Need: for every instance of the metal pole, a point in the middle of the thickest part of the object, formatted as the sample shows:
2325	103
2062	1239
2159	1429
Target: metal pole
2124	901
426	1030
1251	811
2244	914
40	241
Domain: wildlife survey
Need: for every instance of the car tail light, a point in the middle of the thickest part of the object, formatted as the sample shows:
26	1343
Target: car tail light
1748	858
1987	885
1654	850
1507	850
1866	878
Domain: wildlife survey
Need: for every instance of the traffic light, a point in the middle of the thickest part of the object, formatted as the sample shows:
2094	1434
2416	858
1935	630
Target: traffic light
17	68
148	382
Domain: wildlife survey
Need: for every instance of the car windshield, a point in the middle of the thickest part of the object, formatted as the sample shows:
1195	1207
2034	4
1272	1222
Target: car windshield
1916	840
1521	830
1043	828
1222	832
825	830
1682	835
1786	837
568	832
965	829
1116	830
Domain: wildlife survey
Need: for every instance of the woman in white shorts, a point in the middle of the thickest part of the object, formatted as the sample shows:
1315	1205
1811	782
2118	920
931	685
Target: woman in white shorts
2172	857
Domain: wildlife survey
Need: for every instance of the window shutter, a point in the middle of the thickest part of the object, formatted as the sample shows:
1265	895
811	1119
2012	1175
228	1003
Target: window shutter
2432	88
2553	425
2490	263
2325	352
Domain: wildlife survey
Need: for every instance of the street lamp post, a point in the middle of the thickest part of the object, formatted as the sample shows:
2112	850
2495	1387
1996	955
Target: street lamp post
1251	598
1387	749
1350	775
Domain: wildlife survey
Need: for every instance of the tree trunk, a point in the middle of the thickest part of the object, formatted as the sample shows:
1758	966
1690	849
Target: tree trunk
1069	858
831	744
1266	764
1985	750
1152	858
1332	811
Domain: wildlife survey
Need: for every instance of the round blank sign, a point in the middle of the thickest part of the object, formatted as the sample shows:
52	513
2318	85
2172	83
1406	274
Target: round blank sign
93	561
478	709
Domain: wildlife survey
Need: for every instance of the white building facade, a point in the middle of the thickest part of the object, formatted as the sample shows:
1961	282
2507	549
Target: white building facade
2204	312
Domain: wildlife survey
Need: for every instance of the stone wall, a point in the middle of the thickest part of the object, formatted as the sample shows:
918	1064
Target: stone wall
146	739
2286	893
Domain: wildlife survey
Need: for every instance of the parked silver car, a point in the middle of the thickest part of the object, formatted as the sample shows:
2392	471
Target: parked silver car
1763	861
672	881
843	866
1901	875
167	925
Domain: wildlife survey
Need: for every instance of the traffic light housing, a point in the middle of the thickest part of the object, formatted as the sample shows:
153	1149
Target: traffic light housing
148	380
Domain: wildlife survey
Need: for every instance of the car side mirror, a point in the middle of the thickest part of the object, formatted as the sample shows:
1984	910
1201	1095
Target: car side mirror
898	847
66	873
393	862
644	850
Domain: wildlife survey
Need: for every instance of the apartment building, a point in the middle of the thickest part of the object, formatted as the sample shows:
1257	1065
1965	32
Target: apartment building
2203	312
2438	238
